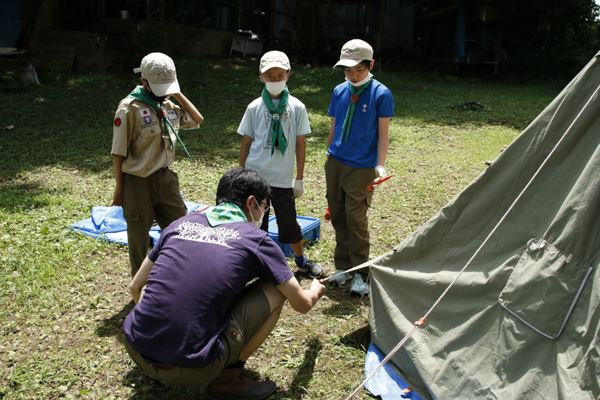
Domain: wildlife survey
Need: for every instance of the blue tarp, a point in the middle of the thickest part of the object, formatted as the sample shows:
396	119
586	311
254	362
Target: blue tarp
387	382
109	224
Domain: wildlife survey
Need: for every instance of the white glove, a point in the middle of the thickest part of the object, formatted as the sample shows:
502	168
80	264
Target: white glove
380	171
298	188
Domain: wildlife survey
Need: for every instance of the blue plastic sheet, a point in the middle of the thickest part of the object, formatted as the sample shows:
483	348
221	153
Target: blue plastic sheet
386	383
108	223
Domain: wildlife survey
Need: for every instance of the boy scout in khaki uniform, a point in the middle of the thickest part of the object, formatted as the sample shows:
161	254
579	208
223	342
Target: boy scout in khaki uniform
145	134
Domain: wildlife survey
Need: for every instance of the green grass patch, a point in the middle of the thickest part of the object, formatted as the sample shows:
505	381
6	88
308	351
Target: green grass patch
62	295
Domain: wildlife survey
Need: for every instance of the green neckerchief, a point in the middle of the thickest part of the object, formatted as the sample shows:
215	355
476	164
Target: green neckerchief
225	213
354	95
277	136
140	94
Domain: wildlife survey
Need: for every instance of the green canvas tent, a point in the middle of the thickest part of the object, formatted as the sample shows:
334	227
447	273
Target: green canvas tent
523	320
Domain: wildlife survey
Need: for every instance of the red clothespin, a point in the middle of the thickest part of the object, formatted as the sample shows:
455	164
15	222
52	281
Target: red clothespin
379	182
421	322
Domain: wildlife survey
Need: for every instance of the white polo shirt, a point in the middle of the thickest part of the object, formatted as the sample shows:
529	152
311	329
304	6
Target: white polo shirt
276	169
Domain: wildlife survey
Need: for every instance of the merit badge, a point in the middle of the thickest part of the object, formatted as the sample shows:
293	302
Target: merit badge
147	119
171	114
144	112
118	122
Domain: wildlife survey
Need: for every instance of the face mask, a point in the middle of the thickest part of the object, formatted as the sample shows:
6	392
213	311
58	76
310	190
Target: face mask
357	84
155	97
258	222
275	88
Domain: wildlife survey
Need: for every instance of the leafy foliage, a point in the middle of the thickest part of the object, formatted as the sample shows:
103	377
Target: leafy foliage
551	37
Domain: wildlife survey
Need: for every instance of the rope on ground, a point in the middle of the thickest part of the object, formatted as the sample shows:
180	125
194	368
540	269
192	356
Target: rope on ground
421	322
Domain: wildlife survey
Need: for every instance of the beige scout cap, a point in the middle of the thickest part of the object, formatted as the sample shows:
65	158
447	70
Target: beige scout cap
354	52
272	59
159	70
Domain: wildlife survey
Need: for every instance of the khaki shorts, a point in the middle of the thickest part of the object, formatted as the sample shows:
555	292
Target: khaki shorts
249	314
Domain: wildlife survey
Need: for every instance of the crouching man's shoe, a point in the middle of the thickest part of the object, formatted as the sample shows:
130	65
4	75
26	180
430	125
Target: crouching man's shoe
233	385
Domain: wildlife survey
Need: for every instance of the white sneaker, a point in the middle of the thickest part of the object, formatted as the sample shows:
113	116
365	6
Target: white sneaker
359	286
340	277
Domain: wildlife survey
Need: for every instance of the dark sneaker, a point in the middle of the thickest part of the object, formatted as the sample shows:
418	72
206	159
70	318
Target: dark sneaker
240	388
312	268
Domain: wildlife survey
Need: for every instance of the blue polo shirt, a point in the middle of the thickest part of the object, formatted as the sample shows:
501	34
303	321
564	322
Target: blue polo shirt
360	151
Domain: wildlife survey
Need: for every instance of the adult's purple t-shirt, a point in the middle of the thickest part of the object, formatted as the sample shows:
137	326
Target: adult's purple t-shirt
198	273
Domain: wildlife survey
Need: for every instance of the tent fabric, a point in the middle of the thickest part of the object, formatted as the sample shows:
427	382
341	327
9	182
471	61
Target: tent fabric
523	321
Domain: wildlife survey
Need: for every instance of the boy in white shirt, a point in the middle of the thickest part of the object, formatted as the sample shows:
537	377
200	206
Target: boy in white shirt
273	131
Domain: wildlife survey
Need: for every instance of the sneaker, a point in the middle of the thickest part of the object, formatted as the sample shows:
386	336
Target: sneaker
228	387
313	269
339	278
359	286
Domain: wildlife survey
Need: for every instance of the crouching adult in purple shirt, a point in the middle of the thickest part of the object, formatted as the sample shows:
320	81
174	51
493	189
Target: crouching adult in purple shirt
198	318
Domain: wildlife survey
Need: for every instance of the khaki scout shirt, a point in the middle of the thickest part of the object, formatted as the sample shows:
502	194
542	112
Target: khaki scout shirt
139	136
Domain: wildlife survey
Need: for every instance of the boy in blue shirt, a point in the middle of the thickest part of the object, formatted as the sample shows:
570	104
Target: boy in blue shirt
360	109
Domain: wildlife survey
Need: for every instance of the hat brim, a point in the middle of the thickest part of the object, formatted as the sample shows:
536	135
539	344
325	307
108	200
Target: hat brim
346	62
274	65
164	89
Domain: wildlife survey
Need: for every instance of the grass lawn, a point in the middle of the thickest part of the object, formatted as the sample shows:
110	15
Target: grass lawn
62	295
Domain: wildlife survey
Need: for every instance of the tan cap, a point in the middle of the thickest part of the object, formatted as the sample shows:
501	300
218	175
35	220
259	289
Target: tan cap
159	70
354	52
273	59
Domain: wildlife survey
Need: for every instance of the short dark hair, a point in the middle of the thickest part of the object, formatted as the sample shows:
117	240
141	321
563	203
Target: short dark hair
366	63
237	184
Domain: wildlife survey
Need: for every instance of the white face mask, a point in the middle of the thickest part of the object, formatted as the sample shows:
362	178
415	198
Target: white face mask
257	222
275	88
357	84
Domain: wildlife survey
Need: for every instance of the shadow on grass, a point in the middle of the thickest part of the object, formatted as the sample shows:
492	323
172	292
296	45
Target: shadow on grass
114	325
15	196
146	388
306	370
359	339
344	303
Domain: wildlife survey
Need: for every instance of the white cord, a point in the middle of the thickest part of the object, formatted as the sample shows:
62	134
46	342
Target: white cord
360	266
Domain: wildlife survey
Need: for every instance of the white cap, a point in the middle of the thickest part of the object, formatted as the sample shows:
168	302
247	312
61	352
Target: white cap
273	59
159	70
354	52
